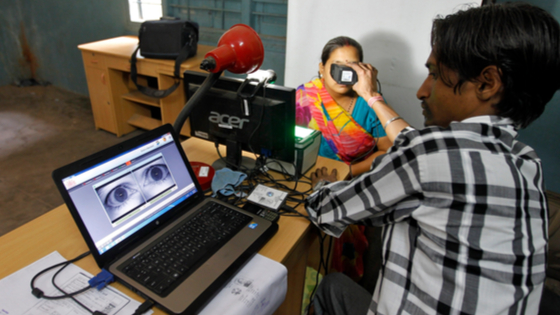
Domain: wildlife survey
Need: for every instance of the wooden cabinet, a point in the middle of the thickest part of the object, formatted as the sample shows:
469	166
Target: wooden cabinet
103	112
117	105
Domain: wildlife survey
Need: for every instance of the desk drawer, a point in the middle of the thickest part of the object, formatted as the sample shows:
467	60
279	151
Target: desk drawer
118	63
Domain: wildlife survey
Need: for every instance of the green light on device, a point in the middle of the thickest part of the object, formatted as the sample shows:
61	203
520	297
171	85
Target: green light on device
302	132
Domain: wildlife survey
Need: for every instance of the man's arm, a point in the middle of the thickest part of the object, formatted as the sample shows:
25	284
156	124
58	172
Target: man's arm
383	145
375	194
364	165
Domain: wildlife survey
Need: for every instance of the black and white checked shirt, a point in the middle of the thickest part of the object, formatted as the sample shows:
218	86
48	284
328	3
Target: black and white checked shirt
465	220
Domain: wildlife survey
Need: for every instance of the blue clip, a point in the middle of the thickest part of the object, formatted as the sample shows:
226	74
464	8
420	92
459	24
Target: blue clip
101	280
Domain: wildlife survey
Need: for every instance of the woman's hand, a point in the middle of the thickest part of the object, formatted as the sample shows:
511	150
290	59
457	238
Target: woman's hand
366	86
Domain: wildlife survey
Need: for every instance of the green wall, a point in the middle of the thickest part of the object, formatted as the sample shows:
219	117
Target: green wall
543	135
39	39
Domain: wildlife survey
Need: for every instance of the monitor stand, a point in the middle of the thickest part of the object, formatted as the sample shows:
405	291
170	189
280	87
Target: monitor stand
235	160
247	163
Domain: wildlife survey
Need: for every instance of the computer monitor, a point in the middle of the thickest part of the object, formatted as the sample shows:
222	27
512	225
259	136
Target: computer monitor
263	124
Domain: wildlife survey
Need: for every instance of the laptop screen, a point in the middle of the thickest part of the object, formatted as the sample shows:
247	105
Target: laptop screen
119	196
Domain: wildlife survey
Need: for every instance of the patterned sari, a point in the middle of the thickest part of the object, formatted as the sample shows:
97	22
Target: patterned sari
316	109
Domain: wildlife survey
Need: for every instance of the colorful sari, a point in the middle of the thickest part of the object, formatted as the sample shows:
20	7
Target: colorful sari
316	109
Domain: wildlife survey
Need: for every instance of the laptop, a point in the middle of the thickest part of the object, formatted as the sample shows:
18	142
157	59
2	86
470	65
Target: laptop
146	220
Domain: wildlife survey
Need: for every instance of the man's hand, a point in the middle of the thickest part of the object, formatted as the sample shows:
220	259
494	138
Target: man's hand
323	174
366	86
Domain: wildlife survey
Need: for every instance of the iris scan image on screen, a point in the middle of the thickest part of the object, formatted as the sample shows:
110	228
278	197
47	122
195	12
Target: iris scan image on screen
122	196
154	179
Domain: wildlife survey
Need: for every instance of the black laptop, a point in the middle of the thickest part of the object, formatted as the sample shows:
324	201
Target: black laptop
146	220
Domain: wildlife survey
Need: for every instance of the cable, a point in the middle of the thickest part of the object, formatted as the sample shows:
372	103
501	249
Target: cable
257	156
322	263
71	295
40	294
195	99
260	118
259	177
228	163
144	307
102	279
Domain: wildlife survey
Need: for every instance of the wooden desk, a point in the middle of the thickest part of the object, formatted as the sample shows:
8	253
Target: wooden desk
117	105
56	230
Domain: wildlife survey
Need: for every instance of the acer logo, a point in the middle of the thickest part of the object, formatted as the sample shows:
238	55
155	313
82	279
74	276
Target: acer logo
227	121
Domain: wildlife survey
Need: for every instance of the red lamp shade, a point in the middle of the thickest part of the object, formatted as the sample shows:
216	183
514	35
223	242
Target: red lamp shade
240	50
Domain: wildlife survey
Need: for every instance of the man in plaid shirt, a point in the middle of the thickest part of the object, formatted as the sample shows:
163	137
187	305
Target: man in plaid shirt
461	202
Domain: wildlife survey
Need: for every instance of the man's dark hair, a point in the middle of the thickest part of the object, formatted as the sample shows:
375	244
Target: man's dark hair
338	42
521	40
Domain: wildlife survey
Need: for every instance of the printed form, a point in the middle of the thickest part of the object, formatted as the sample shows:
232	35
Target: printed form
257	289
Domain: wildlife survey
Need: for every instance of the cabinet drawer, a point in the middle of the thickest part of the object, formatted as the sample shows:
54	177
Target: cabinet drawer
92	59
117	63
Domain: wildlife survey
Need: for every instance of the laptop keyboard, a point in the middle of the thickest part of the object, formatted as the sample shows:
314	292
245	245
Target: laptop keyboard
165	265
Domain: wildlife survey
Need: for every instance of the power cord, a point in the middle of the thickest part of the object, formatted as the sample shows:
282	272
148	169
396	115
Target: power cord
323	262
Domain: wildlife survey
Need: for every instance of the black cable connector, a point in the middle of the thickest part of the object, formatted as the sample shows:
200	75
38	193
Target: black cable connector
38	293
144	307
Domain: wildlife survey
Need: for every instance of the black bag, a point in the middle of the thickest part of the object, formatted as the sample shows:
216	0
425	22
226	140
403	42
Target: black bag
165	39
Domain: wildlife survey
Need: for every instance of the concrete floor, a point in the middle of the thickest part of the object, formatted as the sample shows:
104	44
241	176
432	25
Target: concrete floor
41	129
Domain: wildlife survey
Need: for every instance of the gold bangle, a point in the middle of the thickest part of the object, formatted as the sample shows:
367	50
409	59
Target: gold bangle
391	120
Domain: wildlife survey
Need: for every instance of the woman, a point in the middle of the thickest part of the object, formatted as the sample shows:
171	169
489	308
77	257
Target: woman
350	128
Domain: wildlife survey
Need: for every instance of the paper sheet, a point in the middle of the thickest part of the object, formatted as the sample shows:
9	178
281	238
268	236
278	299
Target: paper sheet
257	289
16	297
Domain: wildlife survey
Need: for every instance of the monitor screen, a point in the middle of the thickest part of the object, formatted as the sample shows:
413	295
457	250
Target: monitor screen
263	124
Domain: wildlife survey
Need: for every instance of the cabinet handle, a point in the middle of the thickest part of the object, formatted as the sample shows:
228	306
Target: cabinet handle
103	78
94	61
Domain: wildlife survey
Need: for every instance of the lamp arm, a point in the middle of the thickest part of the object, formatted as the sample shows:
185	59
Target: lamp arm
193	101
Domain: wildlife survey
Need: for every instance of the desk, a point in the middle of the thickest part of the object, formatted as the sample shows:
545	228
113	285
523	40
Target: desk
117	105
56	230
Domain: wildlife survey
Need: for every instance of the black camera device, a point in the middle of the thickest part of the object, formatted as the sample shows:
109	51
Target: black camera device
343	74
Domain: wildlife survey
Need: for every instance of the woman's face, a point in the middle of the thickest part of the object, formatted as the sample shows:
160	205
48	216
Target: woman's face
340	55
